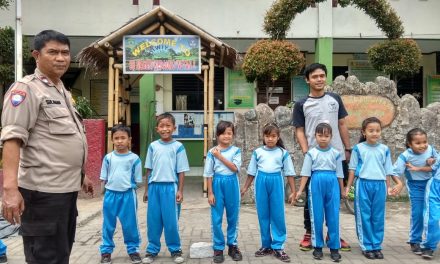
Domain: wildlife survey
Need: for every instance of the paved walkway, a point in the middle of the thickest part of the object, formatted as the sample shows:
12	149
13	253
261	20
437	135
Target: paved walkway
195	227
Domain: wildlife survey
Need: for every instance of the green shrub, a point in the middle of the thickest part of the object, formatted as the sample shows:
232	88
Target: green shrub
84	107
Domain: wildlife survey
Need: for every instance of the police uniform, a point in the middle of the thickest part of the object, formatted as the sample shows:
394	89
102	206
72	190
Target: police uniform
53	153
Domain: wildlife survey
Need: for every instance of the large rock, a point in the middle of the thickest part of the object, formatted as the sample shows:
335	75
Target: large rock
283	116
201	250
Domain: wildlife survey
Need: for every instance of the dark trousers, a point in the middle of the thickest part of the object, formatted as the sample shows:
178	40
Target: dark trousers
307	223
48	226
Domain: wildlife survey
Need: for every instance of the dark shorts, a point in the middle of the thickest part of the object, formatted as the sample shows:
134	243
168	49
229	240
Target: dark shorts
48	226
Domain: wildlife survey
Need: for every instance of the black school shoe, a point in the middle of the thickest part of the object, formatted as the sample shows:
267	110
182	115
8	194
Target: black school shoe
281	255
234	253
378	254
106	258
334	255
263	252
415	248
368	254
317	253
218	256
427	253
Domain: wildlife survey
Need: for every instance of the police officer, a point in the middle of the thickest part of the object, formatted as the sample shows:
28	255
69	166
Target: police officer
44	151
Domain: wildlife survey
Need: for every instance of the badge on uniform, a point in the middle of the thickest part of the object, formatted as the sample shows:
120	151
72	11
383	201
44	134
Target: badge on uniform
17	97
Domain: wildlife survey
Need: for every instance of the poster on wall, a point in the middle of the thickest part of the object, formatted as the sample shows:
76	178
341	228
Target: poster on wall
300	88
240	92
157	54
363	70
433	89
189	124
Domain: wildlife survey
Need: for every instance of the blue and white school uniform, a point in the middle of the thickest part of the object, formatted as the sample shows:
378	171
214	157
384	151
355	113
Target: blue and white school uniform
226	189
432	210
2	248
416	182
372	164
269	166
121	172
325	167
165	160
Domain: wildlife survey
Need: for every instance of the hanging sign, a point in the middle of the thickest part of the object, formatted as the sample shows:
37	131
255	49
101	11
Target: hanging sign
161	54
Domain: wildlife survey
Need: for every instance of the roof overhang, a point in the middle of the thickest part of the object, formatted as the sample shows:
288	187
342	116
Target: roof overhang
95	56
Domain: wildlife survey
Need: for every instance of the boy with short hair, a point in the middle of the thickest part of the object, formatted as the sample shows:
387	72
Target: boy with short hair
166	164
121	170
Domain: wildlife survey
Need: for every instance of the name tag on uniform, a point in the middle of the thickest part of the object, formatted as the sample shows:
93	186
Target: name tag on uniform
56	102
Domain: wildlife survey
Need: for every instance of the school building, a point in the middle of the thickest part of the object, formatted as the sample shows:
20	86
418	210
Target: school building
325	33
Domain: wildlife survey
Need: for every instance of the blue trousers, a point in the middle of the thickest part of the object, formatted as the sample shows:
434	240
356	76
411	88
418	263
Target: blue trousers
416	192
370	198
122	205
162	215
269	199
432	214
226	191
324	200
2	248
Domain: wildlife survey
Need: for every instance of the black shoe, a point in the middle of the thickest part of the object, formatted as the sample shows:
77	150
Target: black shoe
135	258
334	255
281	255
427	253
177	256
415	248
263	252
3	259
218	256
234	253
317	253
369	254
106	258
378	254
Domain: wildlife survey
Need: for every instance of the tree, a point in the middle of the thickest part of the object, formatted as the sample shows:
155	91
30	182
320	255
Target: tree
7	58
4	4
268	60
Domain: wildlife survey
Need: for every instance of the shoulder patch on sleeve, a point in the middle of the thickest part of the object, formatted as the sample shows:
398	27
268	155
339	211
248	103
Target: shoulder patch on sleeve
17	97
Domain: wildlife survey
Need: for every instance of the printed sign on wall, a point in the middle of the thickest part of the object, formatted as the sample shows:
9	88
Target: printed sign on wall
154	54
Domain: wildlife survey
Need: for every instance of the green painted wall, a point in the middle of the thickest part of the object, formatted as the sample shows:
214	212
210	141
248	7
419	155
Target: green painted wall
324	55
194	151
147	112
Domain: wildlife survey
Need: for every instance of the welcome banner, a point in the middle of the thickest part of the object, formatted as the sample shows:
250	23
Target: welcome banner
161	54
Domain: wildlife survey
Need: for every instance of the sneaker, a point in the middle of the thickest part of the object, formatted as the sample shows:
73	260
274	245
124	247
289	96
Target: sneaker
378	254
135	258
281	255
149	258
345	246
306	242
427	253
415	248
3	259
234	253
106	258
334	255
218	256
317	253
263	252
368	254
177	255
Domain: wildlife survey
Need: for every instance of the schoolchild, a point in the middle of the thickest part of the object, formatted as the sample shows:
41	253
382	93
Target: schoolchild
166	164
371	164
121	171
414	164
431	216
269	164
221	170
323	164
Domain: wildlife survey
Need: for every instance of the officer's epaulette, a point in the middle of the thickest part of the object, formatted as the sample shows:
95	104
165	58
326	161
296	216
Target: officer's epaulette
28	78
